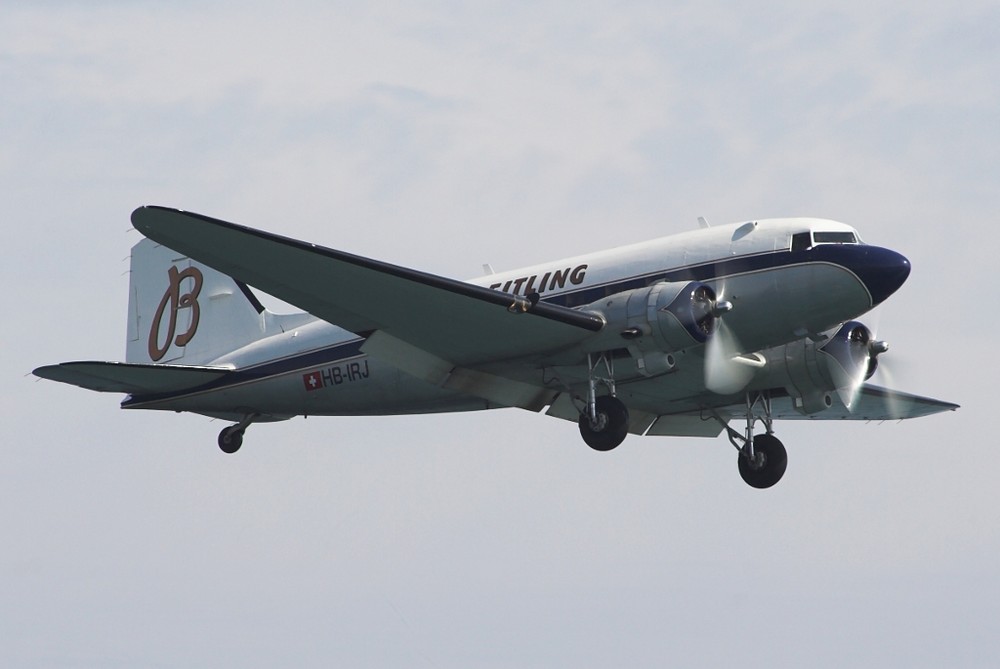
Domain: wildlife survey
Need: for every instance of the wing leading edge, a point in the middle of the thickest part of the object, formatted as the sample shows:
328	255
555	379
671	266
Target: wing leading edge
462	323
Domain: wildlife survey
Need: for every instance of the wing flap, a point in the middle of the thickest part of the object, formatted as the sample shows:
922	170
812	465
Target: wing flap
443	373
133	379
686	426
463	323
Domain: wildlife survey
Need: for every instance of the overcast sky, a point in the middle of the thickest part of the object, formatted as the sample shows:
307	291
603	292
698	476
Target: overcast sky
443	137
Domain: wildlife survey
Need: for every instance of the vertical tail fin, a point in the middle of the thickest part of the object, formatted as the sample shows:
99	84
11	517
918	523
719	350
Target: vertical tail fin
185	313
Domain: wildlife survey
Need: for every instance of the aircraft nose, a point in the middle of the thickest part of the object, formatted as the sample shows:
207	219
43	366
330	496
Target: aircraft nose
882	271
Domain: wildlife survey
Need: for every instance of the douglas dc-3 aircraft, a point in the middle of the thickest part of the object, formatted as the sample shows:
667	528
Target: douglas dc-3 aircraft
679	336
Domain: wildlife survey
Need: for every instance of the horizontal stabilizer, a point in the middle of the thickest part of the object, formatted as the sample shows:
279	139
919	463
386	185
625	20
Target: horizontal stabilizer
133	379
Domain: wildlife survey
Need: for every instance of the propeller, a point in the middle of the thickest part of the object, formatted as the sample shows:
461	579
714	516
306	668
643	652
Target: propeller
727	371
894	403
854	353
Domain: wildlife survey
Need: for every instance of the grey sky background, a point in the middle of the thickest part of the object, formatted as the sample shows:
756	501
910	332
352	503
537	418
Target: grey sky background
443	137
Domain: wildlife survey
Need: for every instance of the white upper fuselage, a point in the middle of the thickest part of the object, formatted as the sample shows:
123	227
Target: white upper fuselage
673	252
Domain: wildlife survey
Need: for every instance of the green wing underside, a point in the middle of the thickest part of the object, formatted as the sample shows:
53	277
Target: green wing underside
872	404
651	418
459	322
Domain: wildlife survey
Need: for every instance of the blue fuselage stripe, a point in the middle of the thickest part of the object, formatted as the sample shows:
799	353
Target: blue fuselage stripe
326	356
841	255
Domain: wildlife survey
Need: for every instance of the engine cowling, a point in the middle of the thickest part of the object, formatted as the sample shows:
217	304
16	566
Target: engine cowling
811	371
656	321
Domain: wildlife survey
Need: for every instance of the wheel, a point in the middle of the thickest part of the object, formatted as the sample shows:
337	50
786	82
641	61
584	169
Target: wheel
611	426
768	466
230	439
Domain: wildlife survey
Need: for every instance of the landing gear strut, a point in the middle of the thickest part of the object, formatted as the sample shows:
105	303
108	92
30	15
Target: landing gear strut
231	438
763	459
604	421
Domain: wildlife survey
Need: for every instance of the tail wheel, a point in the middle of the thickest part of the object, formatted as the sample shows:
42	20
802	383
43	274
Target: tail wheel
230	439
768	464
610	427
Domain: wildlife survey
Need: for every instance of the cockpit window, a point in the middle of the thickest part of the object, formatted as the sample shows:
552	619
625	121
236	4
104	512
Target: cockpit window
834	238
803	241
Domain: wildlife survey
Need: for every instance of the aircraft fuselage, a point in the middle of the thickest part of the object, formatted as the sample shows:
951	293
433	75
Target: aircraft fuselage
786	279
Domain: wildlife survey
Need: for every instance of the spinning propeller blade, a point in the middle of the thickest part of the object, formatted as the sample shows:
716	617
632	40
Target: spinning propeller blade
726	371
893	401
855	362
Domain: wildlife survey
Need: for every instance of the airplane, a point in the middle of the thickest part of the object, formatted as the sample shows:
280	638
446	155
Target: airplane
750	322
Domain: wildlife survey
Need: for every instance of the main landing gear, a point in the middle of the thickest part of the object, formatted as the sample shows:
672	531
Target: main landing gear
231	438
604	421
762	460
606	425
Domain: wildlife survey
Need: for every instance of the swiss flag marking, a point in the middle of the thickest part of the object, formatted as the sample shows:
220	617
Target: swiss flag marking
313	380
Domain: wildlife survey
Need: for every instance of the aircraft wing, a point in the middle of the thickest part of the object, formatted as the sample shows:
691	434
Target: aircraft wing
134	379
872	403
454	321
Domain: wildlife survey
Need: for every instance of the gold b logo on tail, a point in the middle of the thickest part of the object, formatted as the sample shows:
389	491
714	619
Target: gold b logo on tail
177	300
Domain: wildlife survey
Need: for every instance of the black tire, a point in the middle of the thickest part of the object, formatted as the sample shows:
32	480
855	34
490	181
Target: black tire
613	420
769	469
230	439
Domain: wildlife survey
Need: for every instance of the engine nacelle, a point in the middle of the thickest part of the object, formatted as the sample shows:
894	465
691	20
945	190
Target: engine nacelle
811	372
656	321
